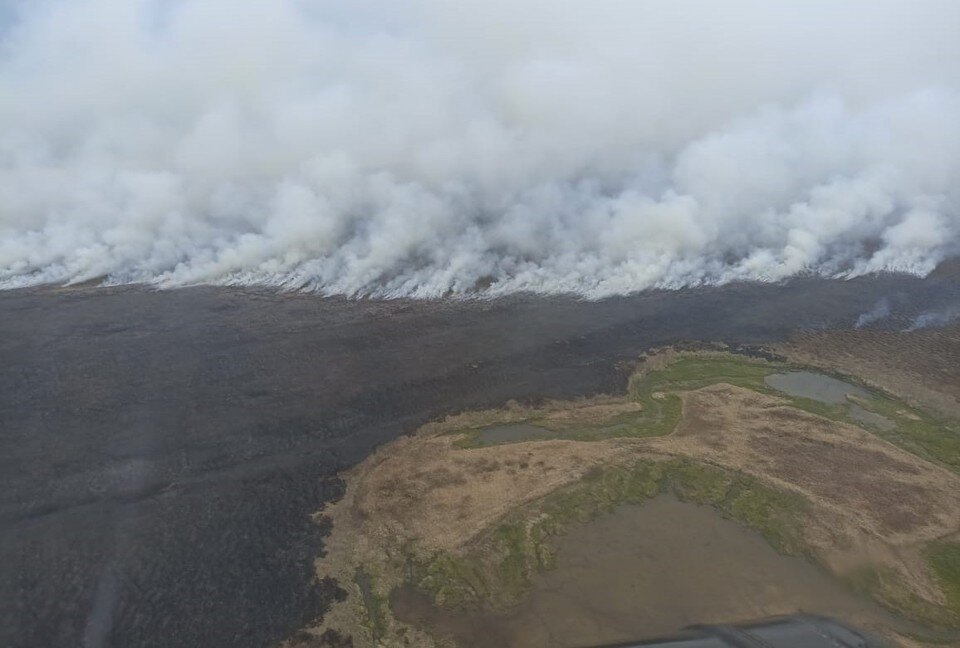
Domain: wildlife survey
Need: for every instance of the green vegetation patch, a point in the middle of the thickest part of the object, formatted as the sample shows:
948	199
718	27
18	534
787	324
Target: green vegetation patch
498	571
695	371
916	431
944	561
373	616
656	390
887	588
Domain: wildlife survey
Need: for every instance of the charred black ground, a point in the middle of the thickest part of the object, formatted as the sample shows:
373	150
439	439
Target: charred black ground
160	452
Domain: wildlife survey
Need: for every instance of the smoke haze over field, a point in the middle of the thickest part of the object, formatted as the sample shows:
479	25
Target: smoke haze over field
880	310
424	147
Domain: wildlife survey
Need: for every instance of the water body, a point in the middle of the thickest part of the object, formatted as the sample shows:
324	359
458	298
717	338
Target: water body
646	571
513	432
161	452
870	419
829	390
815	386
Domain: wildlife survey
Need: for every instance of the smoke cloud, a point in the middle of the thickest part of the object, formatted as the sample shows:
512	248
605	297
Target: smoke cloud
427	147
880	310
934	319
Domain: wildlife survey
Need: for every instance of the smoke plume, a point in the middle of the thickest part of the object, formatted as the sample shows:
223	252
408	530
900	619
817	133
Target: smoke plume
934	319
428	147
880	310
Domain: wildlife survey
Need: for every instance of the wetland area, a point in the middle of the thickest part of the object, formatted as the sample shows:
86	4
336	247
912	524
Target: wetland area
721	486
170	458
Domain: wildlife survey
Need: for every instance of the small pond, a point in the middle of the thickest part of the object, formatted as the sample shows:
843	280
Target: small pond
818	387
831	391
513	432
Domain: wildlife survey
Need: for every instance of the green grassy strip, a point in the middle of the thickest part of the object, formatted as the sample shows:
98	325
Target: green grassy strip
374	605
944	561
659	416
886	587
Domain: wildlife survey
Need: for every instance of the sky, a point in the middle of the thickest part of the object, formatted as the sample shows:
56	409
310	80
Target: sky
427	147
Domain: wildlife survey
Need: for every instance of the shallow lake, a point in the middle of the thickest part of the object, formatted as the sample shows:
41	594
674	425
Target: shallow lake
831	391
815	386
645	571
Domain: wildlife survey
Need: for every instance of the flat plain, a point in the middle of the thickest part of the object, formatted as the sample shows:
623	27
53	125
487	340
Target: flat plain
164	452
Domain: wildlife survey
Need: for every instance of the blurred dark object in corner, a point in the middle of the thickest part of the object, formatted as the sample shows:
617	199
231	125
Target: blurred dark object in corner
795	631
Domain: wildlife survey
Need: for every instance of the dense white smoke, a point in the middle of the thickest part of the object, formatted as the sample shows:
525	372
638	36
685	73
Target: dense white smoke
428	146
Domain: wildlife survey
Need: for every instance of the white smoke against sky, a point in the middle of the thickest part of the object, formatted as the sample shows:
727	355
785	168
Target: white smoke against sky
428	147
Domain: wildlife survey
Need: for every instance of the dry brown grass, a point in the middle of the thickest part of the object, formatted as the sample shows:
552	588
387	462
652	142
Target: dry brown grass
874	502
